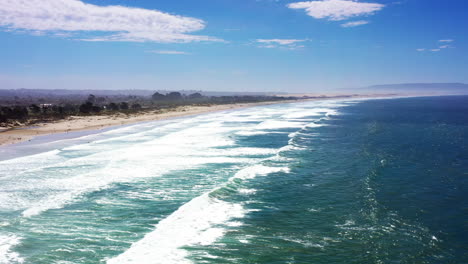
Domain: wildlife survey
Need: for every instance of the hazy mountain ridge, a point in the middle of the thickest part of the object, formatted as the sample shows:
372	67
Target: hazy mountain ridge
23	92
419	88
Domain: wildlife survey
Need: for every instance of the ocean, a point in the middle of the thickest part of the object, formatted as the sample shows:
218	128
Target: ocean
334	181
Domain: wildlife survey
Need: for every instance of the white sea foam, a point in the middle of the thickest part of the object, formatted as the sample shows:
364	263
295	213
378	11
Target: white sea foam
258	170
278	124
247	191
41	185
198	222
18	166
289	147
7	256
52	180
301	114
56	178
253	132
125	168
195	223
310	112
240	151
312	125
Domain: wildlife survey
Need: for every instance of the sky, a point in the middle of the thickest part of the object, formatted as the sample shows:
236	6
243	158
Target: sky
231	45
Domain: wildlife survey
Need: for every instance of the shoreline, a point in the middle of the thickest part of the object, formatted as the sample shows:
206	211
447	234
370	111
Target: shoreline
11	136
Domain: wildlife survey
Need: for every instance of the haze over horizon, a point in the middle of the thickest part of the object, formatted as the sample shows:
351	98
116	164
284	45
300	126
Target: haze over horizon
249	45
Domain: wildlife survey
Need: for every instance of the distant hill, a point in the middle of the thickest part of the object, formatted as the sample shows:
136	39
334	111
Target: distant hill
61	93
421	88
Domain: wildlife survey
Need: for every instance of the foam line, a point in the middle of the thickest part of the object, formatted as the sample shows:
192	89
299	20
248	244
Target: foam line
192	224
7	256
198	222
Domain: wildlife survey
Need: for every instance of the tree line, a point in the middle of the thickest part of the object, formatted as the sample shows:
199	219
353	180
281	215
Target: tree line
100	105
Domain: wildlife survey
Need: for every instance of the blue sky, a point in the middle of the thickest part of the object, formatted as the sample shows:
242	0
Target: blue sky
231	45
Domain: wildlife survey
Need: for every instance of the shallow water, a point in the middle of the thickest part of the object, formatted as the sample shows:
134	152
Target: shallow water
377	181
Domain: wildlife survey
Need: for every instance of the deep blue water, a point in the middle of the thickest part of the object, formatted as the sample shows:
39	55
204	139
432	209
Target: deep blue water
384	182
376	181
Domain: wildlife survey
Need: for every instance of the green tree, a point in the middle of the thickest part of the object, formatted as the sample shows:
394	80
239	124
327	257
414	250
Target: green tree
158	97
92	98
113	107
195	96
124	105
86	108
35	109
174	96
136	106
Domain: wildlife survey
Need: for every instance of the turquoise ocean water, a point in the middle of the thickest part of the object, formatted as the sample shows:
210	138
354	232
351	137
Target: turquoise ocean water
363	181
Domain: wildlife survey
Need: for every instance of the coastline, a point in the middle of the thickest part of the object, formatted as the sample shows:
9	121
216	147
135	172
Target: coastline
10	136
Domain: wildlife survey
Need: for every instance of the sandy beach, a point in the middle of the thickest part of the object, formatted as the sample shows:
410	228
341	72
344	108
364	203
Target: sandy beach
82	123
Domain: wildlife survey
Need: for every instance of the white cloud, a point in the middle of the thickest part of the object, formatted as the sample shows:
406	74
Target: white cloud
441	47
337	10
268	46
169	52
355	23
98	23
280	43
